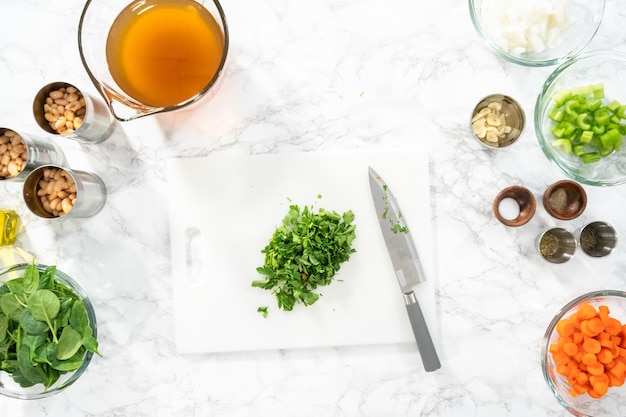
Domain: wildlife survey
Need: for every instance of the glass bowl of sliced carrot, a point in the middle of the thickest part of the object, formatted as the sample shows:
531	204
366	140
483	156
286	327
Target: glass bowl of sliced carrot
580	118
584	355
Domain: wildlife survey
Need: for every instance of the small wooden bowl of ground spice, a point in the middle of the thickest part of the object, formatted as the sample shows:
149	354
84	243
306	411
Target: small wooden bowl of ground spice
565	200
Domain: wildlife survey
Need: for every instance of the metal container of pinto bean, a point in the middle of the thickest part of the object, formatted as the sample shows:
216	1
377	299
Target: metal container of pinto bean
21	153
54	191
63	109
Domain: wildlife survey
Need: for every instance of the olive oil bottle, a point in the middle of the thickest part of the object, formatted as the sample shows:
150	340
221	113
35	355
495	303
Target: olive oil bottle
10	223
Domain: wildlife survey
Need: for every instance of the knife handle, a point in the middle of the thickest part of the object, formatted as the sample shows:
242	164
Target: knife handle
425	344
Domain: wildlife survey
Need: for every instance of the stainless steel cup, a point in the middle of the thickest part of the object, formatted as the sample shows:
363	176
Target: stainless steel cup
597	239
90	193
556	245
97	123
37	152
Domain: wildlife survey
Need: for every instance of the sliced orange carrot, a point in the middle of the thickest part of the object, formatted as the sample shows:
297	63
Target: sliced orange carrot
590	351
580	388
582	378
595	326
595	369
577	337
604	356
586	311
570	348
591	346
588	359
594	394
565	327
619	369
615	381
614	327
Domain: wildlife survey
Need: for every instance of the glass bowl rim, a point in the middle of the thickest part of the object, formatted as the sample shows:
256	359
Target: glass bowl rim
74	375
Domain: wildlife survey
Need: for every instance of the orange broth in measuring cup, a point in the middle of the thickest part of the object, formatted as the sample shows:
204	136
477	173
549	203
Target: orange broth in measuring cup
163	52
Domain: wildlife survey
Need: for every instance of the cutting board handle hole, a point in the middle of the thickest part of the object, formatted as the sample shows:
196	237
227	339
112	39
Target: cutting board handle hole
193	254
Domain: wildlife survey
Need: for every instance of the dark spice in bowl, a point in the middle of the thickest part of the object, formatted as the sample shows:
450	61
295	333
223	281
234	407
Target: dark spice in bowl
565	200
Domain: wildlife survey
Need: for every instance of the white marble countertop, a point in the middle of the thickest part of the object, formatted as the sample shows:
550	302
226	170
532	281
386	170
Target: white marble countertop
307	76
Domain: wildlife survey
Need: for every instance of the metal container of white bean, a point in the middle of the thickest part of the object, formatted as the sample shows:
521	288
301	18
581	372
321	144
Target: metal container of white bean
62	109
53	192
21	153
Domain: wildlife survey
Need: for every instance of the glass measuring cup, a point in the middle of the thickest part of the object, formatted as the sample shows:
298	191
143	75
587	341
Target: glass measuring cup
94	29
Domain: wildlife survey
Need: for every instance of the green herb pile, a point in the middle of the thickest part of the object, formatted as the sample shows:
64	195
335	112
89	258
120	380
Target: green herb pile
44	328
305	252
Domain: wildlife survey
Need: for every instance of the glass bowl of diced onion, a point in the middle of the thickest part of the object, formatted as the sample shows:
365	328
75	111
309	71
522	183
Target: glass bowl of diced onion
583	359
536	32
580	118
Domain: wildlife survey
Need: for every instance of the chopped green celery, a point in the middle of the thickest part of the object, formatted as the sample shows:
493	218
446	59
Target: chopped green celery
585	90
590	157
606	151
556	114
561	96
578	149
598	129
586	137
582	122
564	144
612	126
557	130
586	126
598	90
613	106
610	137
564	130
594	104
602	116
572	107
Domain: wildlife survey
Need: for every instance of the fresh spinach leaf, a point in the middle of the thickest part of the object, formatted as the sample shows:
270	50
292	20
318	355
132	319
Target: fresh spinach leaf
69	343
11	306
32	373
30	280
44	305
16	286
70	364
4	327
32	325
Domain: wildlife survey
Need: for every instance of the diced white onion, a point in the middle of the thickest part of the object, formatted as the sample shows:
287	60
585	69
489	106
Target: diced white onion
526	26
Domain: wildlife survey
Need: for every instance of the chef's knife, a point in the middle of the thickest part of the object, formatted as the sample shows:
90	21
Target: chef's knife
406	264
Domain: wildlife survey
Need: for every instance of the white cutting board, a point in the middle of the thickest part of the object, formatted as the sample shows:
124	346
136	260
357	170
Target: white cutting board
226	208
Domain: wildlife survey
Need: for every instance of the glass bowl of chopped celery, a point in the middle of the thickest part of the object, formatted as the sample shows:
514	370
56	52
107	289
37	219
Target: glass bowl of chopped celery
536	32
47	331
580	118
583	360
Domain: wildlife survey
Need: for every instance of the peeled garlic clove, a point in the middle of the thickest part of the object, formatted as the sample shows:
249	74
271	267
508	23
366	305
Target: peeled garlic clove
493	119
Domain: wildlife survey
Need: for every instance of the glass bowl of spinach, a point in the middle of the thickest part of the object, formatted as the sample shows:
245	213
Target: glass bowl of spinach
47	331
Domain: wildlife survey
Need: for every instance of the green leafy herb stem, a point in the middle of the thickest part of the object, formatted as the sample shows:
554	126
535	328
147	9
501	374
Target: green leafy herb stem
396	227
305	252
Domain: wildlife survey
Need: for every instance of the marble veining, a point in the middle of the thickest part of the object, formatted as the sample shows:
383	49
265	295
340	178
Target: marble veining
302	77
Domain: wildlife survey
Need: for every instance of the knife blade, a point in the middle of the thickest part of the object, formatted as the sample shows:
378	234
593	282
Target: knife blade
406	264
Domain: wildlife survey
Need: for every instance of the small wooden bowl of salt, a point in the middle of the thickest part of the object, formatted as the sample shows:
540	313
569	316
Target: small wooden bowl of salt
514	206
565	200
